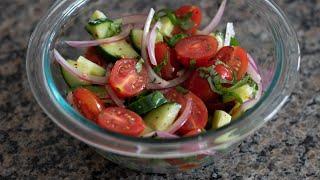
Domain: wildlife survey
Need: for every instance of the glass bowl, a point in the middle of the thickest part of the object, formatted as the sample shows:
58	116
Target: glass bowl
262	29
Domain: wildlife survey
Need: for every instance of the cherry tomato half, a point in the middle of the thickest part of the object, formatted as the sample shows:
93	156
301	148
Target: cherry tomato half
125	80
87	103
200	87
199	114
224	72
163	53
196	50
236	58
92	55
196	16
121	120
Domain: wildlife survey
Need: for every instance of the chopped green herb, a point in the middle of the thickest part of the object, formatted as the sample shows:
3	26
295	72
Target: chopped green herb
182	90
175	39
234	42
193	63
186	23
159	67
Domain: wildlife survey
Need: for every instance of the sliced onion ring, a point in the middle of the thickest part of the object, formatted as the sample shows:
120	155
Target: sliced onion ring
215	21
145	35
252	71
82	44
163	84
114	97
253	62
183	117
152	42
90	78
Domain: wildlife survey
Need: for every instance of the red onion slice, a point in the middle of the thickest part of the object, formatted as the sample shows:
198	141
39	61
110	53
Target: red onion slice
152	42
166	135
70	99
253	62
82	44
145	35
253	72
183	117
163	84
119	102
133	19
90	78
215	21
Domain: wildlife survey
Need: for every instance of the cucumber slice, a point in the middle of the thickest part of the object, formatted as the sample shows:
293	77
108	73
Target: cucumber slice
98	15
88	67
118	50
70	79
163	117
166	27
136	38
220	119
243	93
148	103
101	27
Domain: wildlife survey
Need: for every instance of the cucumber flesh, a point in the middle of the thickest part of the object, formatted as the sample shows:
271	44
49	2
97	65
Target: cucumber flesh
147	103
98	15
70	79
136	38
163	117
244	92
118	50
101	27
220	119
86	66
166	27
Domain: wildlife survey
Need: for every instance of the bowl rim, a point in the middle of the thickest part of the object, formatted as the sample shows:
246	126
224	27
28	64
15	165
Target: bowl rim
68	111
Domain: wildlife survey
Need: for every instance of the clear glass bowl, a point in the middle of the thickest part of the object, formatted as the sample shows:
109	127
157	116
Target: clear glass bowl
262	29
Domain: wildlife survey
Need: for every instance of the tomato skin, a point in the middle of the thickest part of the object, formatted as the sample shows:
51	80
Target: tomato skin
199	115
162	53
87	103
198	118
199	48
236	58
224	72
125	80
196	16
240	62
200	87
193	132
121	120
93	55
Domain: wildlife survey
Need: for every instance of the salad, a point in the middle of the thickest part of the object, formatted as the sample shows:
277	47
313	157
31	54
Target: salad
159	75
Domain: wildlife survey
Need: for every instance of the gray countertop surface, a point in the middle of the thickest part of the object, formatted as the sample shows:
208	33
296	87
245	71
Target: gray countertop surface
31	145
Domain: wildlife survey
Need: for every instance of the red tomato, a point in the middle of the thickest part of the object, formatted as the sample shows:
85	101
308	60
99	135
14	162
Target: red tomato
87	103
196	16
162	53
236	58
193	132
224	72
199	49
125	80
200	87
92	55
121	120
199	114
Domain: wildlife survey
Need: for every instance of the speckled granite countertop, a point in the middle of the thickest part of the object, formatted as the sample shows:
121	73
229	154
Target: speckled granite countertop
32	146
